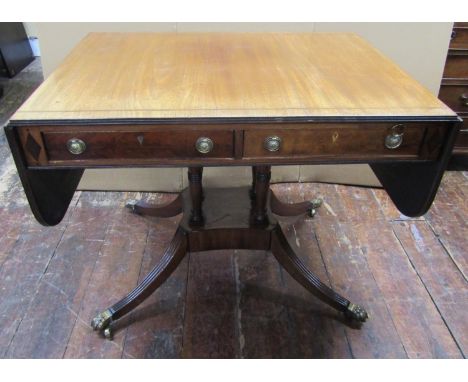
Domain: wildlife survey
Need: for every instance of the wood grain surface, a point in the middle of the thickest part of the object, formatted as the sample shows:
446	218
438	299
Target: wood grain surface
152	145
455	95
149	75
456	65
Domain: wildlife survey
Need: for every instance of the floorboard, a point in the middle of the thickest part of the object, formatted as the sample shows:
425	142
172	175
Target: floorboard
115	272
448	218
263	318
440	277
50	317
210	325
338	233
156	328
316	330
421	328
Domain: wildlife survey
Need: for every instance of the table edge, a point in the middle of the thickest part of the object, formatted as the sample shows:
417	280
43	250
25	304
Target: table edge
234	120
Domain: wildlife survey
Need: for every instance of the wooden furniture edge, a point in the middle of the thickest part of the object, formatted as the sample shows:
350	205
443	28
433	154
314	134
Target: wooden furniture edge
413	187
49	192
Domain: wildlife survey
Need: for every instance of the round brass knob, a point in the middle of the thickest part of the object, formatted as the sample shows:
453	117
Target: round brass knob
395	138
272	143
76	146
464	99
204	145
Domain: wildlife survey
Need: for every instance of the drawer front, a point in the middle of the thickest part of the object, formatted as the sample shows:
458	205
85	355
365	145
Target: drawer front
133	147
138	145
455	96
459	39
301	143
461	144
345	142
456	66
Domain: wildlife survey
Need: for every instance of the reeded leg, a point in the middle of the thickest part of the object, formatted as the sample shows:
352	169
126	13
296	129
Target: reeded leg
163	211
173	255
262	186
196	193
293	209
297	269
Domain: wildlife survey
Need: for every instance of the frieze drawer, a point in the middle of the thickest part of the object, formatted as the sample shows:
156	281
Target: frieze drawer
138	146
347	142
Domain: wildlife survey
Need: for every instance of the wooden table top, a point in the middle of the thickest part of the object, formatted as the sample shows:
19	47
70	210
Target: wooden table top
228	75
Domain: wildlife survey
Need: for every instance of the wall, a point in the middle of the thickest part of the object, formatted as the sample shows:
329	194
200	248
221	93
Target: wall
419	48
30	29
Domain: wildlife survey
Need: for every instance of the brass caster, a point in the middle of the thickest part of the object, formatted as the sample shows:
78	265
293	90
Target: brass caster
108	333
311	212
356	312
131	205
316	203
102	320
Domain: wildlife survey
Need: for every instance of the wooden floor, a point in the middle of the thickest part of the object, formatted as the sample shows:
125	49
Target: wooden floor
410	274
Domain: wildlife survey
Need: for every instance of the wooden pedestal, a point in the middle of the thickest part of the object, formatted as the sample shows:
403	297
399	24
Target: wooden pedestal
227	218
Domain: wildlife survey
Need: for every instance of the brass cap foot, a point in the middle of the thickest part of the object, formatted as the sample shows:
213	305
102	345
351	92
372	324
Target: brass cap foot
356	312
316	203
102	320
108	333
131	204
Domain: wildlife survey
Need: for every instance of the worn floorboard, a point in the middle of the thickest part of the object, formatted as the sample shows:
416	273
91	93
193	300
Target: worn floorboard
448	218
351	275
210	309
264	330
225	304
115	272
26	260
439	275
419	324
155	328
49	319
316	330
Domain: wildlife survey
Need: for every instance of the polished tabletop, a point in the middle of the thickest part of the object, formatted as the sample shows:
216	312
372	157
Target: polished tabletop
230	75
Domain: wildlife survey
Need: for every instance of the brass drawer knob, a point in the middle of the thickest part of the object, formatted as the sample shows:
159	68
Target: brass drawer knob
464	99
76	146
395	138
204	145
272	143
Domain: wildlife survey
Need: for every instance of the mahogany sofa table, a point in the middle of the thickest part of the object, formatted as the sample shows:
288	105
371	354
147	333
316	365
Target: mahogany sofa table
195	100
